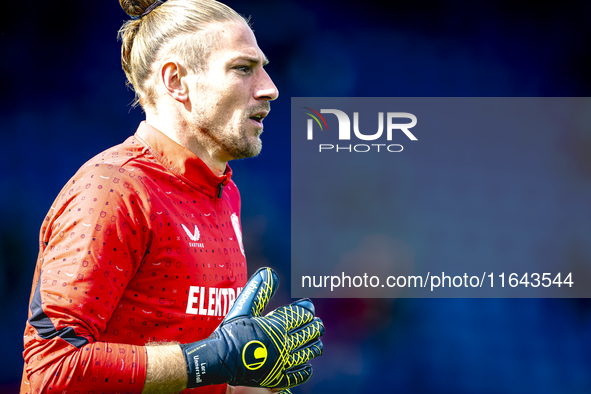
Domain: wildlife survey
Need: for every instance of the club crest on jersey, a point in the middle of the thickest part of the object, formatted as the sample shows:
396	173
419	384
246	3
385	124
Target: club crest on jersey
236	225
193	236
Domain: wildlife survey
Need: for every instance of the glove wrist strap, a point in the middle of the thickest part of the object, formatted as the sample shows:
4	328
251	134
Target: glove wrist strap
204	366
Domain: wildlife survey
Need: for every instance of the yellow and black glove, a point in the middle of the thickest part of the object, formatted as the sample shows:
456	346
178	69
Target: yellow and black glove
249	349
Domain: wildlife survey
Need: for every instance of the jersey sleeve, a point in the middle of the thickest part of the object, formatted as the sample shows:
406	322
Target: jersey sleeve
92	242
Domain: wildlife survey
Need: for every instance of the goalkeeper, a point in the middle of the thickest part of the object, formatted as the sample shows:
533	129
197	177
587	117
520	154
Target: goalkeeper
142	249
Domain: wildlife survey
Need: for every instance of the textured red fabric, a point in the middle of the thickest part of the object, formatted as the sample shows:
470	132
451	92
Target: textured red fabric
136	248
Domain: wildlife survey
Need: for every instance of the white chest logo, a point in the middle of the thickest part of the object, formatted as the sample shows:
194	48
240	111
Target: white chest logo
236	224
194	237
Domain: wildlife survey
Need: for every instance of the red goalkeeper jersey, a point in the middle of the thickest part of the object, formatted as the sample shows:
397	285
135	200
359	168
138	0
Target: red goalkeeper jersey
142	244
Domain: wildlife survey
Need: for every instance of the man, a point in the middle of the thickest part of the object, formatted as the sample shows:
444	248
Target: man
144	244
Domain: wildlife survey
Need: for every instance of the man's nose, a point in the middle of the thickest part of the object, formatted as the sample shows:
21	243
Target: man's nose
266	89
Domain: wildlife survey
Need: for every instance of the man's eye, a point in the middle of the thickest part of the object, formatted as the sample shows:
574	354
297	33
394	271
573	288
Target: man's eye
243	69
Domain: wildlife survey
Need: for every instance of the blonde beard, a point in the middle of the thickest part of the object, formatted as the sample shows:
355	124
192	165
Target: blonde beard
231	141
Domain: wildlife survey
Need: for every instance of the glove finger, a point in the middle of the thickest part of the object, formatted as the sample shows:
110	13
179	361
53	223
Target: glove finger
306	333
255	295
306	353
305	303
286	391
296	375
294	315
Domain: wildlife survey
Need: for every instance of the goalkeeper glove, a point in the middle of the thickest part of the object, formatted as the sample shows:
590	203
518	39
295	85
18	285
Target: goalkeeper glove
248	349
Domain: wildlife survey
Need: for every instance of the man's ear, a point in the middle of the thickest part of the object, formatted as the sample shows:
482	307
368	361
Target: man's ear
174	80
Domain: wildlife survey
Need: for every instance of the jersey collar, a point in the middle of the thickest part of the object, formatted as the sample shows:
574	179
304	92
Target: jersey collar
184	163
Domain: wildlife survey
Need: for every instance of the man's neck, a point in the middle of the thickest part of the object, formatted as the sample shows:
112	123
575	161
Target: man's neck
177	131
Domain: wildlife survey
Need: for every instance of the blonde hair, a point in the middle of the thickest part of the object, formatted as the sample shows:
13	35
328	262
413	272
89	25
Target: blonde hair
166	30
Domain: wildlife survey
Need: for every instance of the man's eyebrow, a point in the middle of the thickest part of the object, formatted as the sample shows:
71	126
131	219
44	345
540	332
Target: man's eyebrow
253	60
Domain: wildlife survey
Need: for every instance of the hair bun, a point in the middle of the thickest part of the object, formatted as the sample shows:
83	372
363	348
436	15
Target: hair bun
135	7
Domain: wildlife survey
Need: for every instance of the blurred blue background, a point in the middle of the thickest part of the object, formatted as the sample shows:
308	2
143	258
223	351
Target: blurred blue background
64	100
